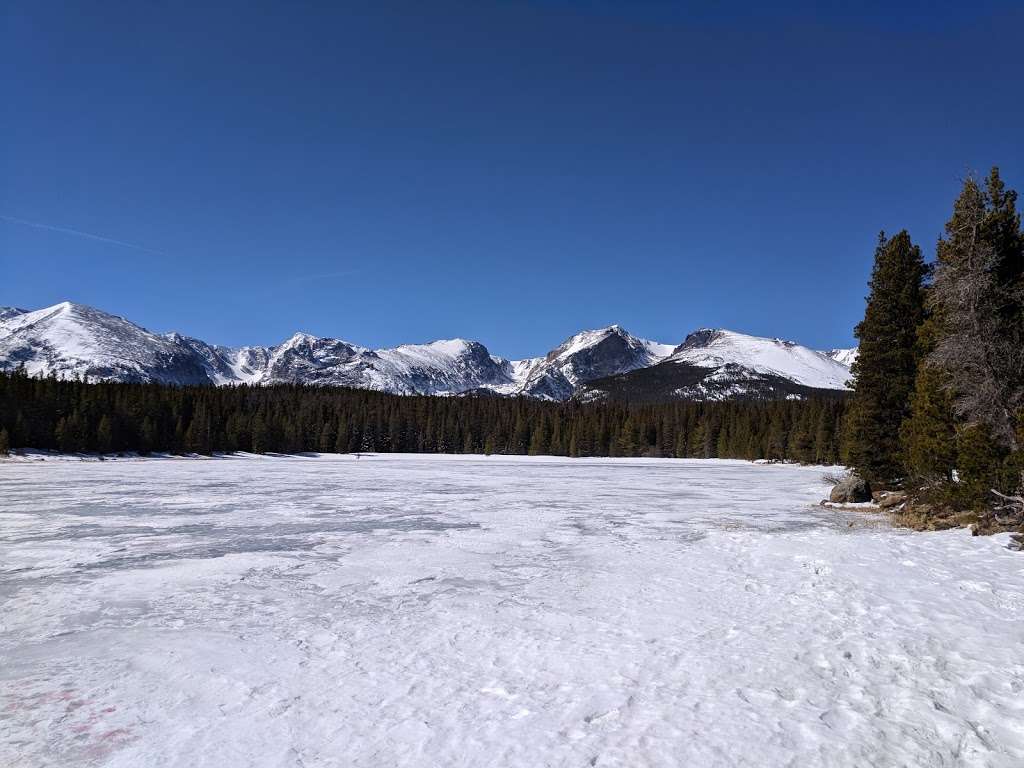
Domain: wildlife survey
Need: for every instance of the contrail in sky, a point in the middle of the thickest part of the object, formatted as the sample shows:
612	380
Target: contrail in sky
78	233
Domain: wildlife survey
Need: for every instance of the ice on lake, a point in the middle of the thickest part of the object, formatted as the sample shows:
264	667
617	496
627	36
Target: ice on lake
491	611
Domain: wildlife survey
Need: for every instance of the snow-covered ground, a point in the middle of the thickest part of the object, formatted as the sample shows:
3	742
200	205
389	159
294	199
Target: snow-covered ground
460	611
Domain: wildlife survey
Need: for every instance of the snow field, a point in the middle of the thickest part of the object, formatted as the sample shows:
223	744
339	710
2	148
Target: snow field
471	611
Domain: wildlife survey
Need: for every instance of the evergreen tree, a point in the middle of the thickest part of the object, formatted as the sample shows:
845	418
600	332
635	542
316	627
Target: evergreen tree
148	436
928	436
886	367
540	441
776	438
5	442
626	441
260	436
981	466
105	435
978	301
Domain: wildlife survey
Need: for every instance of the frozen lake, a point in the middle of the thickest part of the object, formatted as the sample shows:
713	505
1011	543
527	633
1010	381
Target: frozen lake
472	611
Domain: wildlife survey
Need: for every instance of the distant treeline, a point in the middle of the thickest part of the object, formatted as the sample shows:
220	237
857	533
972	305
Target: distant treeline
76	416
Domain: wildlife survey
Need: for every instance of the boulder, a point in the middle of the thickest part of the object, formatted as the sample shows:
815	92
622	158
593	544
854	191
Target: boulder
850	490
891	499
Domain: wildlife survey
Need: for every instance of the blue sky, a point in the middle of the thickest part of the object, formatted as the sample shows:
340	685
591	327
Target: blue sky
506	171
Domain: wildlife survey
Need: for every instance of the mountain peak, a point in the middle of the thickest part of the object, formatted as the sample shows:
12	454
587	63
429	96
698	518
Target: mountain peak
717	347
70	339
301	339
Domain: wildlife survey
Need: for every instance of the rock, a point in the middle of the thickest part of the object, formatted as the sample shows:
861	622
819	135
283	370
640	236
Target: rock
891	499
988	523
850	490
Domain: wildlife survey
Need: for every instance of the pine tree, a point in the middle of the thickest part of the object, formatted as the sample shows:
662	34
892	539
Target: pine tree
626	441
341	442
540	441
327	438
260	435
981	466
5	442
824	439
520	436
104	435
976	299
776	438
886	367
928	436
147	436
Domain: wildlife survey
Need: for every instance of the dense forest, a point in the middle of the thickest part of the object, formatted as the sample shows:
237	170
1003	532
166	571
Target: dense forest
75	416
938	406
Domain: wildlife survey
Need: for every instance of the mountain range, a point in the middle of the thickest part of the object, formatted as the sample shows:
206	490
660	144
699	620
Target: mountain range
75	340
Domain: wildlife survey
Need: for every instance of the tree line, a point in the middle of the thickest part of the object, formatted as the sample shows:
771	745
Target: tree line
77	416
938	406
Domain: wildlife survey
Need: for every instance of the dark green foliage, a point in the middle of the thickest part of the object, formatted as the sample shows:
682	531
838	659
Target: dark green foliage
886	367
962	439
982	464
972	382
1003	231
928	435
5	442
75	416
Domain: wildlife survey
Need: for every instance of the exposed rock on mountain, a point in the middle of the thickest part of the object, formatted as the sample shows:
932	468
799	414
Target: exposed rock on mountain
715	364
587	356
75	340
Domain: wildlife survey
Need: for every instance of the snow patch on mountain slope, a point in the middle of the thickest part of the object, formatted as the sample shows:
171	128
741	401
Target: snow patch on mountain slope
845	357
226	365
715	348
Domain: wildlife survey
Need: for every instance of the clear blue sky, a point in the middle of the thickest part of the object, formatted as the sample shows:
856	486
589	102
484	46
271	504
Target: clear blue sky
506	171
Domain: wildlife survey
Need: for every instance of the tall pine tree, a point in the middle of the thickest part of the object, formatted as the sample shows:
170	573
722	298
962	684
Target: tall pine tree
928	436
886	367
976	298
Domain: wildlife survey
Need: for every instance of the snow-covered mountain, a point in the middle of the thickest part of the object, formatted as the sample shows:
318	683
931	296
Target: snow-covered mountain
440	367
71	340
75	340
584	357
717	364
844	356
8	312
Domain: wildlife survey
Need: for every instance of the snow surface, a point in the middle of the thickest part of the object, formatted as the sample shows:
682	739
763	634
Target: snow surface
846	357
714	348
472	611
